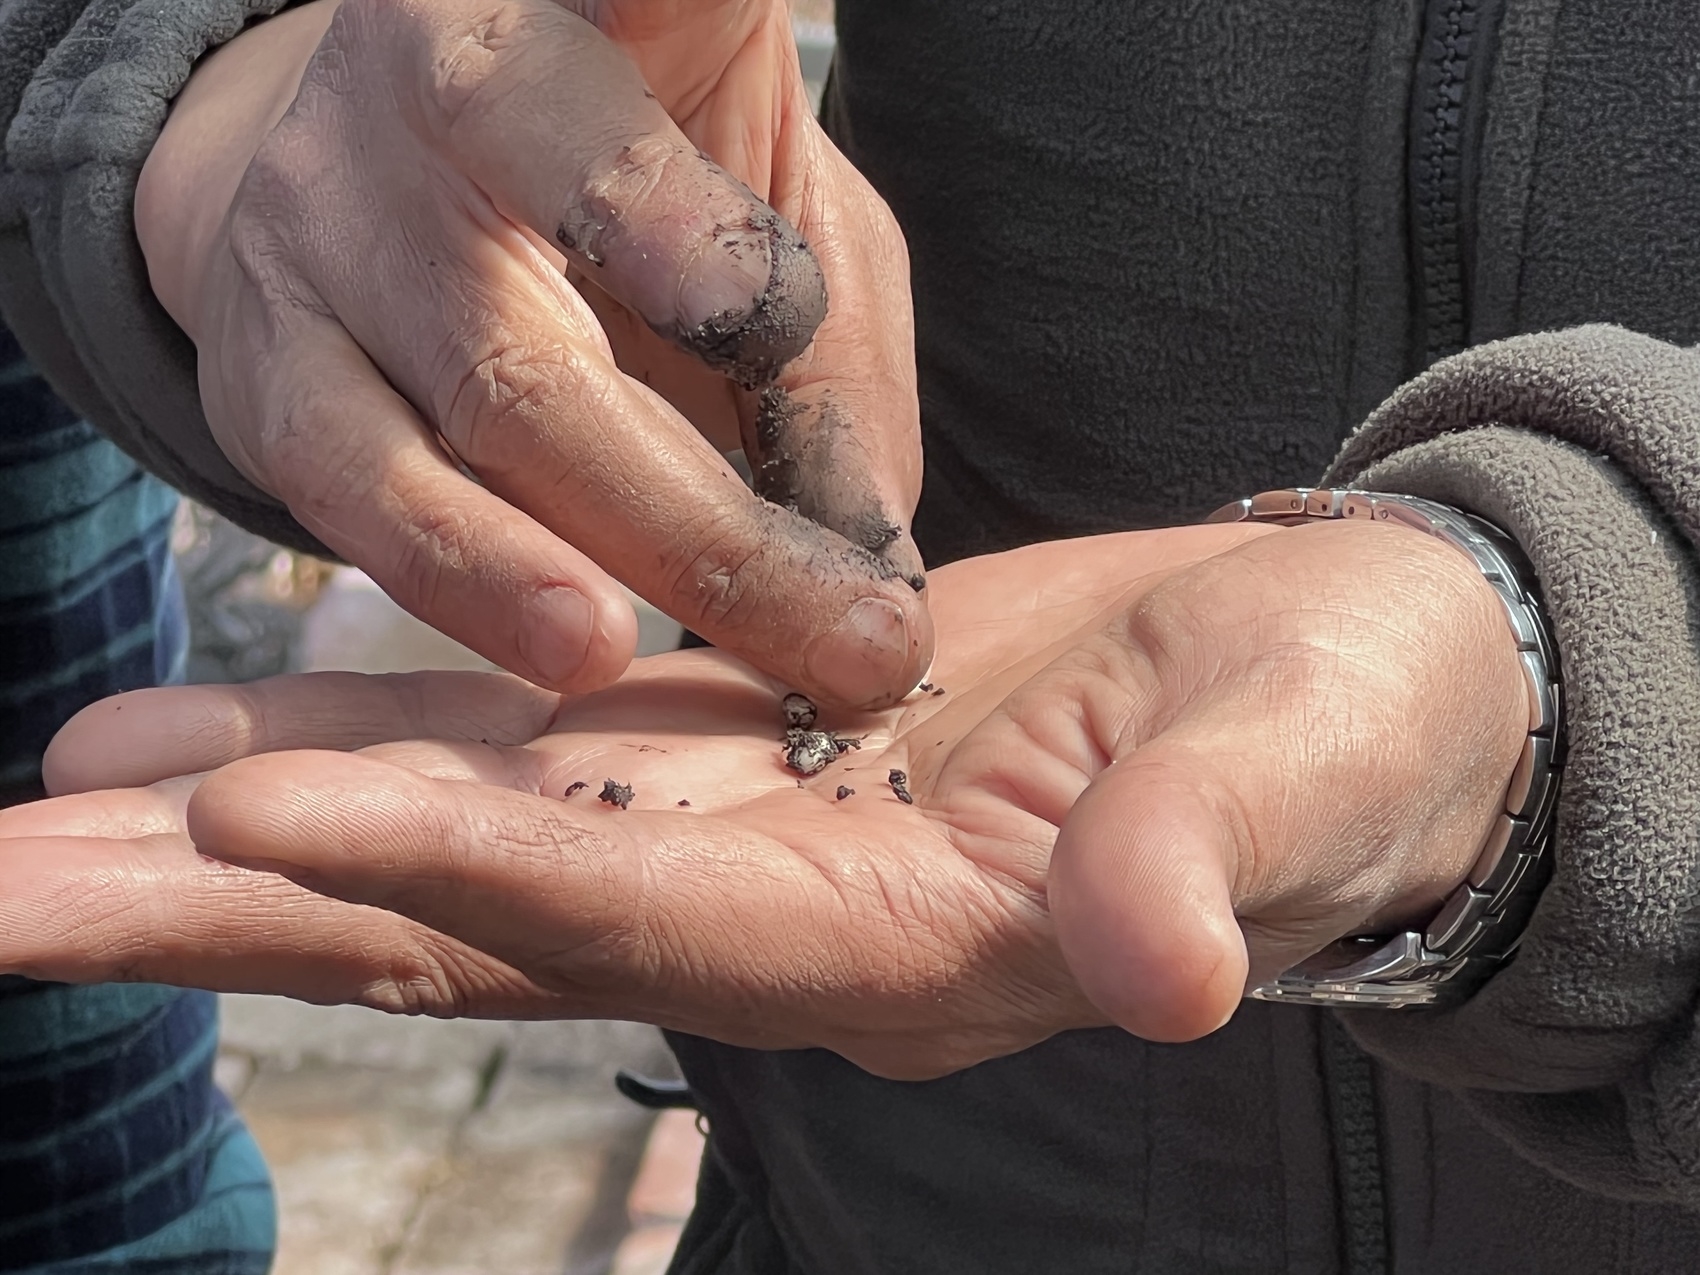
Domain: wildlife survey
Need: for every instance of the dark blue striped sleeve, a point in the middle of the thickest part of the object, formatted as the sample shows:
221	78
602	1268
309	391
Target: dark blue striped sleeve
116	1151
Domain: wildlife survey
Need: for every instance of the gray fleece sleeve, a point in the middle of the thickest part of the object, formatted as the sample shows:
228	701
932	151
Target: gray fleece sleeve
84	90
1584	1053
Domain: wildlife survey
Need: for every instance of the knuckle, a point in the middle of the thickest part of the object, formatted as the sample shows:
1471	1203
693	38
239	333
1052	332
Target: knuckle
231	726
496	399
717	574
283	199
320	470
421	980
435	547
605	966
265	232
470	64
606	945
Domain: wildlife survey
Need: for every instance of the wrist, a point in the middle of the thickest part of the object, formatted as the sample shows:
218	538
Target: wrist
1479	924
1486	695
234	98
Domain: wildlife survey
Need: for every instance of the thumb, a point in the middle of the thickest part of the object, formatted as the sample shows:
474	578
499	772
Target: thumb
1141	889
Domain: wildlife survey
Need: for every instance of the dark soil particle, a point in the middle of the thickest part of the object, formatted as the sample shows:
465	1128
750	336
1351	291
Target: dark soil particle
808	752
938	690
918	582
576	786
800	711
683	802
925	686
615	793
900	785
844	790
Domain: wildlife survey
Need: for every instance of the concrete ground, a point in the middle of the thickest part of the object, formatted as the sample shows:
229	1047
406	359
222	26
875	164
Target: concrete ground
415	1147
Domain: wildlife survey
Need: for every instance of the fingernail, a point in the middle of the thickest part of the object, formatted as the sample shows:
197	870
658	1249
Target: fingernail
860	660
724	283
554	639
751	301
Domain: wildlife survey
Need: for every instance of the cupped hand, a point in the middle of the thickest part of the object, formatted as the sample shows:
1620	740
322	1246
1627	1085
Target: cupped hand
481	292
1251	740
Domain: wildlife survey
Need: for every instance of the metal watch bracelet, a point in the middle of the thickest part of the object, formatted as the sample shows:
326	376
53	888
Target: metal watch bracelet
1479	926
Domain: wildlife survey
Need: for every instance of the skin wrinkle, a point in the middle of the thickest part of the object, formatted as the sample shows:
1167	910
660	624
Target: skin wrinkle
505	383
297	443
721	570
432	549
627	181
437	981
687	92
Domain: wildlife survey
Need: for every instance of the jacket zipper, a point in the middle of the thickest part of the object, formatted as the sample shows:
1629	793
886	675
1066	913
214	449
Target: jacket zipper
1447	98
1348	1078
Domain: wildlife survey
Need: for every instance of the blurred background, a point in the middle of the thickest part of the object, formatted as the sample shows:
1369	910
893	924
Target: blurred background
409	1146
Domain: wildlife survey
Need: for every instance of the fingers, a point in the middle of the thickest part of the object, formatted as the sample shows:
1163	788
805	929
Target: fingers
132	907
553	122
144	736
125	813
531	879
473	327
673	237
552	427
359	470
675	918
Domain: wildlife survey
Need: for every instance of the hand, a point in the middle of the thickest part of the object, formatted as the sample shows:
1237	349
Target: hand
1304	730
410	235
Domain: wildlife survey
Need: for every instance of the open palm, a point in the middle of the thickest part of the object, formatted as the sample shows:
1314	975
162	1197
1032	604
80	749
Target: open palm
1163	764
448	870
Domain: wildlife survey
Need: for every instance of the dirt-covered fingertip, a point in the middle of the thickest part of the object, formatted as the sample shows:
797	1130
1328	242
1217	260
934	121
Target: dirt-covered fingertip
698	256
751	344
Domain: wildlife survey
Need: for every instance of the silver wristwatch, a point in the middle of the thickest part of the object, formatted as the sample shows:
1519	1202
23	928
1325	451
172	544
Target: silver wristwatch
1480	924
